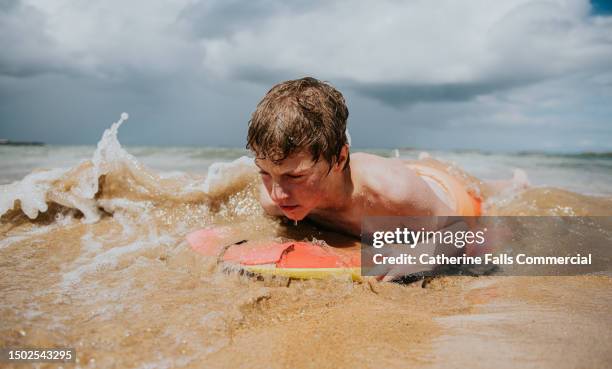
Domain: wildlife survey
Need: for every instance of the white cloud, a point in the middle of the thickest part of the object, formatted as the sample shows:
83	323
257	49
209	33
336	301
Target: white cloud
421	42
467	65
101	39
470	47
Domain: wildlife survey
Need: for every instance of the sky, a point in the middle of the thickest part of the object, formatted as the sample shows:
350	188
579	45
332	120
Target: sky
509	75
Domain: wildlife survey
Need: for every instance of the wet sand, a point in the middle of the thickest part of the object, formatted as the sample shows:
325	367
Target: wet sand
169	307
95	258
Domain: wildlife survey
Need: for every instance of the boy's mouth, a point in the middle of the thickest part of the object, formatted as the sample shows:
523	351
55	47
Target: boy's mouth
288	207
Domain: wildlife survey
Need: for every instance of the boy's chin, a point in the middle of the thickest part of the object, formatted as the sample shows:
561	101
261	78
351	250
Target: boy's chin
297	214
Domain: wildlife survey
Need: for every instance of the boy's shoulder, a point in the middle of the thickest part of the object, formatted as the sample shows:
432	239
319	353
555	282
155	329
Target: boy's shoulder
370	163
385	178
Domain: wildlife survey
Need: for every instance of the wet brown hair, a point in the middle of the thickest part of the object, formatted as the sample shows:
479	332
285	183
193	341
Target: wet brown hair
297	114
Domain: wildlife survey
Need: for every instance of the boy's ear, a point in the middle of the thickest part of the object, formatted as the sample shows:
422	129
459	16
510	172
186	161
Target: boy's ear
342	158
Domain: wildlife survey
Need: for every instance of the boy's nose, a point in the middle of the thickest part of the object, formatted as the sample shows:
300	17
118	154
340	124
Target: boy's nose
278	194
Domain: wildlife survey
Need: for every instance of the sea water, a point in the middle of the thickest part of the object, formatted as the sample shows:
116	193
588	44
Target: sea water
93	256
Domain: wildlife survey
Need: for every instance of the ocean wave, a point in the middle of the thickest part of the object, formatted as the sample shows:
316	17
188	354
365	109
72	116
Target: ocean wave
112	172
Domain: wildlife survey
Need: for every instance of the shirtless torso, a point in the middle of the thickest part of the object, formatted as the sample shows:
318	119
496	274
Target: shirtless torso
373	186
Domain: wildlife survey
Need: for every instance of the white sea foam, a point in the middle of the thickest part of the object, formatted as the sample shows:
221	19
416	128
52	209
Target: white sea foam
222	177
77	187
31	192
94	260
106	259
37	189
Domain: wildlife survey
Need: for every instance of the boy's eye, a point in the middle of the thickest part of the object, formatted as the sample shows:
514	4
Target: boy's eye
263	173
295	175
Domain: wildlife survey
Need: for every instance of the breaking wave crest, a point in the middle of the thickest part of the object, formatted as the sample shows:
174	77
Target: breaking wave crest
114	179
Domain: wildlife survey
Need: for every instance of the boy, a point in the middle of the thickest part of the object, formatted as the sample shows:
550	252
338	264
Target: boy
298	136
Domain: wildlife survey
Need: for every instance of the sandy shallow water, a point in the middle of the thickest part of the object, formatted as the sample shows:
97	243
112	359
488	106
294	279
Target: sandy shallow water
94	257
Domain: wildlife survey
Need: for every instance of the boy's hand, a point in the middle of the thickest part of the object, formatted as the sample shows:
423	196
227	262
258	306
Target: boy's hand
389	272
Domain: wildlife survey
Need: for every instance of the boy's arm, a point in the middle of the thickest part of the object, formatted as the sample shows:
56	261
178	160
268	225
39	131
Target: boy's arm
266	202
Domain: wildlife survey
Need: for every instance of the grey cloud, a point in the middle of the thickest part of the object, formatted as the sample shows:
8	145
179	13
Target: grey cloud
404	94
193	75
391	94
265	76
529	43
210	19
396	95
6	5
126	49
28	51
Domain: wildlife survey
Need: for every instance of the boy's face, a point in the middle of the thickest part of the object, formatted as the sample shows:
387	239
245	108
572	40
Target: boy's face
296	184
